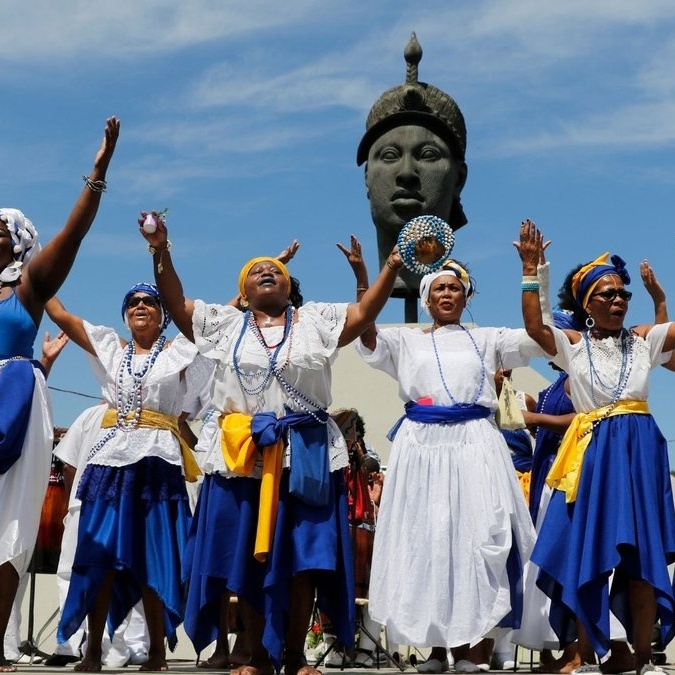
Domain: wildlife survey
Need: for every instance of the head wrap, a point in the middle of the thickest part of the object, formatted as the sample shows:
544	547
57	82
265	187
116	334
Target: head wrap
254	261
24	243
451	267
563	318
148	289
585	280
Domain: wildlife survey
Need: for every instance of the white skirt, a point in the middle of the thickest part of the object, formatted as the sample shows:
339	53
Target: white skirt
451	510
23	487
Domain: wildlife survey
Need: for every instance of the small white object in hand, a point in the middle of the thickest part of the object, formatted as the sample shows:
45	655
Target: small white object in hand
149	224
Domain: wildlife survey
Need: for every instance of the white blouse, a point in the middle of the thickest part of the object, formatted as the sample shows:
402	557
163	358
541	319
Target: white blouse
245	384
163	390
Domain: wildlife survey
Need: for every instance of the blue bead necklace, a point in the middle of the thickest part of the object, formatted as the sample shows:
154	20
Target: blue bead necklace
130	397
272	352
483	374
613	390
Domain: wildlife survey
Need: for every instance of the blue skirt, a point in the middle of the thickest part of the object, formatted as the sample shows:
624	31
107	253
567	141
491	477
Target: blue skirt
219	559
623	520
134	520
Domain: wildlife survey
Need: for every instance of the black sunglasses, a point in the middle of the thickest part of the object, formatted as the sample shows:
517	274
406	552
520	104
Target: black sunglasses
147	300
612	293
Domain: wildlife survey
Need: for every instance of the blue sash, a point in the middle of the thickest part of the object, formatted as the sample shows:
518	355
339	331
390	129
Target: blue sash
440	414
310	469
17	382
520	446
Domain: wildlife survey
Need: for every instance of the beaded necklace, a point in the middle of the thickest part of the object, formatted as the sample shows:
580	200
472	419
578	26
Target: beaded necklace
130	398
272	351
627	356
440	368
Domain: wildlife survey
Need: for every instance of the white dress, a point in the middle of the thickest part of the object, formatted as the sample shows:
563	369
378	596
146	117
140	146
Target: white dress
451	506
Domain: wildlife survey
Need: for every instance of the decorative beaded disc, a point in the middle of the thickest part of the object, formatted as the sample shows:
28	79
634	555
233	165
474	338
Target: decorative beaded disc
425	243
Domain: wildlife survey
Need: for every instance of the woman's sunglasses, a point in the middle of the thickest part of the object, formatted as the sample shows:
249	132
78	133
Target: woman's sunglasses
612	293
147	300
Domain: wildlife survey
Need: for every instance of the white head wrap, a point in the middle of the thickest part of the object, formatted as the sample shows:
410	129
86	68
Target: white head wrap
24	240
453	269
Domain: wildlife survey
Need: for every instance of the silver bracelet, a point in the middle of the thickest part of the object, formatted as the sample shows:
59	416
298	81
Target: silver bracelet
95	185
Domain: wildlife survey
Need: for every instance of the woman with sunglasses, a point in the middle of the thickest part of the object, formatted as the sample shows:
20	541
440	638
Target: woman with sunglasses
135	512
612	506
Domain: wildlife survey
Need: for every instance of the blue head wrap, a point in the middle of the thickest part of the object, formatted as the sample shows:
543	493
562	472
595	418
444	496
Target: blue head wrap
563	318
587	277
149	289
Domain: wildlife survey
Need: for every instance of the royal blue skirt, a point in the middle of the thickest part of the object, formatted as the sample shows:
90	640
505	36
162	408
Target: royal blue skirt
134	520
219	559
623	520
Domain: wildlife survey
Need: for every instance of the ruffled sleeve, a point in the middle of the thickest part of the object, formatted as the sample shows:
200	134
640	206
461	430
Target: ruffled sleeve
385	356
515	348
323	324
655	339
215	327
106	344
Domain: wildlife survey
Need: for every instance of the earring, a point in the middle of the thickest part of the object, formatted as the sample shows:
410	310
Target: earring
590	322
243	302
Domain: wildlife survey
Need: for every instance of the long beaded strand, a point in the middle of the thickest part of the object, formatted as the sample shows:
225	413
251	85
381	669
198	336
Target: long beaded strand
440	369
133	399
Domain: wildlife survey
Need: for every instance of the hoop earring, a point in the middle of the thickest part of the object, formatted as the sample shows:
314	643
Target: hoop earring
590	322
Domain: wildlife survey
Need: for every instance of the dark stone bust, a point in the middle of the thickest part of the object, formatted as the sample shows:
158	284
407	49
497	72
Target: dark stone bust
414	149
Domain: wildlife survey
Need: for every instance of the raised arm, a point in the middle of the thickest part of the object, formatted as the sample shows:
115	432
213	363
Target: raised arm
51	349
354	257
70	324
530	248
49	268
656	292
364	312
166	278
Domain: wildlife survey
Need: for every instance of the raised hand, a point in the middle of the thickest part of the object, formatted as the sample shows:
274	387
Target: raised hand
289	252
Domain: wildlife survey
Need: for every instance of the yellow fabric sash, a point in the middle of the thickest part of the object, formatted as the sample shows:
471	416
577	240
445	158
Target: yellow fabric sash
566	469
150	419
240	454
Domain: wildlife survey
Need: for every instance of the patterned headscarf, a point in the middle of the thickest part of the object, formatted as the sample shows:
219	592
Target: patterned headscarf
149	289
254	261
586	279
24	241
449	267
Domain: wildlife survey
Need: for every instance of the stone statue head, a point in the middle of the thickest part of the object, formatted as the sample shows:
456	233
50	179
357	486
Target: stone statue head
414	149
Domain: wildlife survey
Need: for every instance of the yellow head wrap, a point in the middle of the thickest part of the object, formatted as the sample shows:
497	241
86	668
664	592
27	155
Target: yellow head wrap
254	261
587	278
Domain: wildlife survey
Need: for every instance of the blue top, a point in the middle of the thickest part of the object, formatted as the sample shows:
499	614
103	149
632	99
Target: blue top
17	329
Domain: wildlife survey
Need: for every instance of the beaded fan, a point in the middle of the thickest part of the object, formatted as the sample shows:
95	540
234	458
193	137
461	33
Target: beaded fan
425	243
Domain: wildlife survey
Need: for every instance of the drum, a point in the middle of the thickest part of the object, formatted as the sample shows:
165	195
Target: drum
54	509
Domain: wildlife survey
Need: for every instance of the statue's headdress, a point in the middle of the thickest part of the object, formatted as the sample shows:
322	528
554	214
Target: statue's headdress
416	102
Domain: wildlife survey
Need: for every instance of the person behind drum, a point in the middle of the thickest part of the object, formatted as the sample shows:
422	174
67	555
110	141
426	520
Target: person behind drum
28	278
135	512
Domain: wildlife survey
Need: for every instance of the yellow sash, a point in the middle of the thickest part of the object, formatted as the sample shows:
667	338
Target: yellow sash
151	419
240	454
524	478
566	469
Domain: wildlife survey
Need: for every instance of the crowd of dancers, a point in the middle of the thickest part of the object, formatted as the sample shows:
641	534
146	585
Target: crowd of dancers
585	565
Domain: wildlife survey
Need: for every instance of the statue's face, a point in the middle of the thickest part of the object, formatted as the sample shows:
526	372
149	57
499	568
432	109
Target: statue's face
411	172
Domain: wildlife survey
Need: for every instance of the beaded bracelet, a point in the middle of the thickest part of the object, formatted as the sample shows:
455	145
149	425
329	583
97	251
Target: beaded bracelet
152	250
529	286
95	185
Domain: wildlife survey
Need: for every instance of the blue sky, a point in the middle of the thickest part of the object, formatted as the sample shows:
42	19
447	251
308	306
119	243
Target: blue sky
243	117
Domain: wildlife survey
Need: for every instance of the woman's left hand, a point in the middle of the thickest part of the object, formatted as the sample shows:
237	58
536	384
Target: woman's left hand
531	246
160	236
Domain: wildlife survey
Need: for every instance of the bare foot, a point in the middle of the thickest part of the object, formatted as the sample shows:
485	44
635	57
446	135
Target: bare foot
253	670
562	666
216	662
89	664
6	666
155	663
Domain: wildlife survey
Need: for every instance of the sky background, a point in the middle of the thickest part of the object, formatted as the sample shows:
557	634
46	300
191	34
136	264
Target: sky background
243	118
